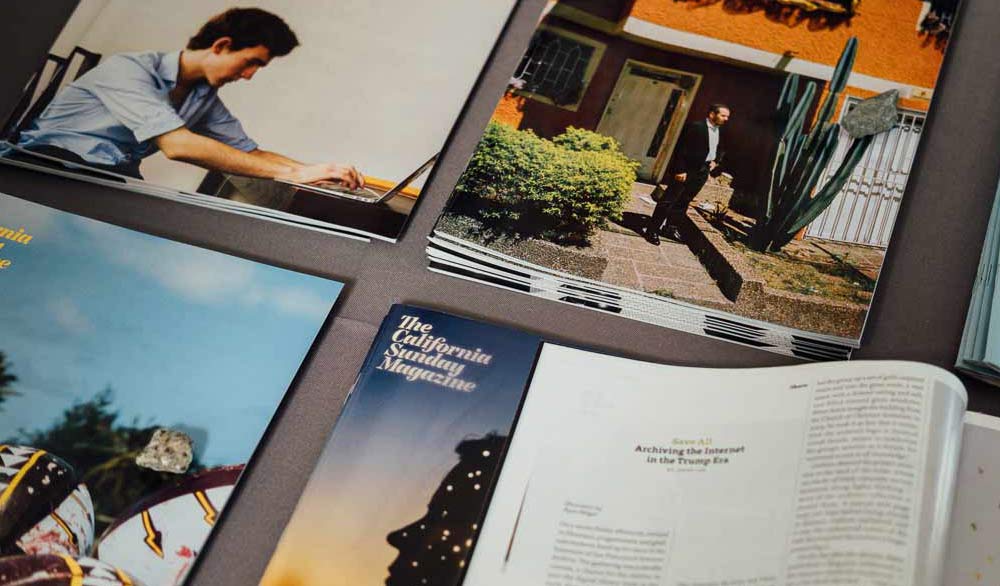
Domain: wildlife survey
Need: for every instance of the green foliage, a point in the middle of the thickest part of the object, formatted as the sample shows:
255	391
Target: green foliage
560	189
7	378
102	451
800	156
580	140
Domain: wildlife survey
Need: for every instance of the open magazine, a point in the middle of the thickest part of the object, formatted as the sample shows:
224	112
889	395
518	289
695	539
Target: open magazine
731	169
618	471
137	376
322	114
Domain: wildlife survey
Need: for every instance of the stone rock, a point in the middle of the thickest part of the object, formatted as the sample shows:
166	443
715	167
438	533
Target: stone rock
167	451
872	116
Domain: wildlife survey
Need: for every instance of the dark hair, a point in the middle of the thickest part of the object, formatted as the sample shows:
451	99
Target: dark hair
247	27
714	108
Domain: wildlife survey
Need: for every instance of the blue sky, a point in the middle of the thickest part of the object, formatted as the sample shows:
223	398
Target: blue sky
186	337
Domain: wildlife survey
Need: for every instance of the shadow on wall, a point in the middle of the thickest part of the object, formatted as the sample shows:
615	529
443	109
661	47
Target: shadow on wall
832	15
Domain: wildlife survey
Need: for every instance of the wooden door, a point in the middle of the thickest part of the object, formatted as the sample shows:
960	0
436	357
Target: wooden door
639	114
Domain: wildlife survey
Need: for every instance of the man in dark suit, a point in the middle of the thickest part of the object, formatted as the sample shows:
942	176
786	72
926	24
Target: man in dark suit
699	151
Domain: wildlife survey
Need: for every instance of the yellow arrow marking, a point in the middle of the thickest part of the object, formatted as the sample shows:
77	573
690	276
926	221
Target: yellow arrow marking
210	513
125	580
147	524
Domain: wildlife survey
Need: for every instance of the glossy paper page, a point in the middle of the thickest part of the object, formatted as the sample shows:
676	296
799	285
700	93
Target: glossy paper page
650	474
110	335
399	493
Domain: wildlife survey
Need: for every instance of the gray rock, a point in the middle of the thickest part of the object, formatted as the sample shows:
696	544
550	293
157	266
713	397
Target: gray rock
167	451
872	116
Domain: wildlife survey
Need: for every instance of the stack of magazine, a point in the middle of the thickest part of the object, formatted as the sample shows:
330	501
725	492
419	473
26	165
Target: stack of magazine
979	351
648	163
274	134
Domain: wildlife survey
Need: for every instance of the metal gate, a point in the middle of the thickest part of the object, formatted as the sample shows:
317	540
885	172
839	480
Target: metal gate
865	209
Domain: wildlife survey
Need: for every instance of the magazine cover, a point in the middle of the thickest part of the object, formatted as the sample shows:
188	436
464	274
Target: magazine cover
137	375
400	490
745	157
326	113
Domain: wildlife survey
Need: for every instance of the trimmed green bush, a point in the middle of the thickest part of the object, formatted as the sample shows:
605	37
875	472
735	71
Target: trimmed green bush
578	139
560	189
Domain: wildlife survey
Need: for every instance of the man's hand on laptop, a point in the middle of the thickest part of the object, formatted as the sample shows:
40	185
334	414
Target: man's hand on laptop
346	174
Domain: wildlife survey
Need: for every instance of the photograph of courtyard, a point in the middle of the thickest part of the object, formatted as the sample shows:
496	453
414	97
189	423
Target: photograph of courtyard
748	156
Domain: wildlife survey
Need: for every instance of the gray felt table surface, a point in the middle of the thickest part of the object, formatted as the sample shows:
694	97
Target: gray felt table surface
918	313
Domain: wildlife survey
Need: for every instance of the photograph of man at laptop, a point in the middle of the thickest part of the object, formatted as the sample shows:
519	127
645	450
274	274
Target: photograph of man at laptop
133	105
340	106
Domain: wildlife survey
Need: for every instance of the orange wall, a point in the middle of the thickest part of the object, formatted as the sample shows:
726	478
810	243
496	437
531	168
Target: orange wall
908	103
889	45
510	110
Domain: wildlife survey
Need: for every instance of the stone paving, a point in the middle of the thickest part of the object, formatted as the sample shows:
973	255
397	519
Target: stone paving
670	269
673	270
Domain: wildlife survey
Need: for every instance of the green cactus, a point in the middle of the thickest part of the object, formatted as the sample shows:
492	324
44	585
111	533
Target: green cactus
800	156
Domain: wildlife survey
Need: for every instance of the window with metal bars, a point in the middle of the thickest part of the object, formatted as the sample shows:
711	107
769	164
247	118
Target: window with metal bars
555	66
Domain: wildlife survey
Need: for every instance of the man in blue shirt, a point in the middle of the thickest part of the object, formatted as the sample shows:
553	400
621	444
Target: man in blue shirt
135	104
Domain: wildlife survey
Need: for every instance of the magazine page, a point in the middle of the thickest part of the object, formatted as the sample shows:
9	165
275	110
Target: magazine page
972	349
400	491
634	473
974	542
137	376
182	95
654	146
991	343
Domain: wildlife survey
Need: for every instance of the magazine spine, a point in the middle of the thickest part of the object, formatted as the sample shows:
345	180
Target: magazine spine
366	367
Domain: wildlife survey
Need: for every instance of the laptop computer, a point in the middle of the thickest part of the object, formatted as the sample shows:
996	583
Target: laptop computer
371	195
